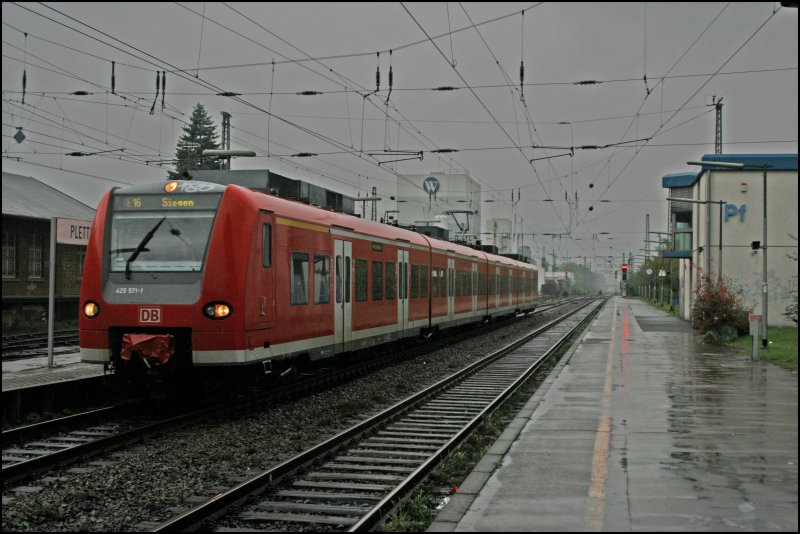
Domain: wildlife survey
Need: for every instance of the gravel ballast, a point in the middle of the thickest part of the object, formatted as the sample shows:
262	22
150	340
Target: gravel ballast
155	479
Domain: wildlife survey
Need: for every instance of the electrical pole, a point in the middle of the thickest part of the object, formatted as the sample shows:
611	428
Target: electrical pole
226	139
718	137
374	204
764	294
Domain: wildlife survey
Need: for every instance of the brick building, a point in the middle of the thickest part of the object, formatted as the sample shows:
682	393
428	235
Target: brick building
28	206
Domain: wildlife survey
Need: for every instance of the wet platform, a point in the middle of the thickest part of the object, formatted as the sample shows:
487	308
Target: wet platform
34	372
30	385
642	427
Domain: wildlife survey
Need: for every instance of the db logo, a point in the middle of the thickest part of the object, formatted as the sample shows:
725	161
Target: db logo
150	315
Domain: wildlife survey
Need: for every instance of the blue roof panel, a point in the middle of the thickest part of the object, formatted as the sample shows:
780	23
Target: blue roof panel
679	179
780	162
774	162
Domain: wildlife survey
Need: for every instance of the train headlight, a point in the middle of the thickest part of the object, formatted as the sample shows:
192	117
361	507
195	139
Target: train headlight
217	310
91	310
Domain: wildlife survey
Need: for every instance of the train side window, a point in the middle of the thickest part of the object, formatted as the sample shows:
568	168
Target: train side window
266	246
442	283
414	281
347	279
435	281
300	266
423	281
322	277
338	279
452	279
403	268
377	280
391	276
361	280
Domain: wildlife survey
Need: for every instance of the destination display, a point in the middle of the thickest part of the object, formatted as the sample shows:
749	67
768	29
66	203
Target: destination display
165	202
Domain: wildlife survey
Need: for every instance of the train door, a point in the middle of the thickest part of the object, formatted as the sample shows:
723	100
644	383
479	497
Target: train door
402	291
513	297
267	304
342	307
260	293
474	289
497	287
451	287
511	289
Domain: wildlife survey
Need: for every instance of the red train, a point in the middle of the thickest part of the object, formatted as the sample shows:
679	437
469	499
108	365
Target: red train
188	275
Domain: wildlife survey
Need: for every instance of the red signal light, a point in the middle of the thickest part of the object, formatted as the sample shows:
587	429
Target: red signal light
624	266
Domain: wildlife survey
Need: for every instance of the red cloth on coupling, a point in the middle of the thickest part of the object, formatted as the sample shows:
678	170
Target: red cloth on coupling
151	346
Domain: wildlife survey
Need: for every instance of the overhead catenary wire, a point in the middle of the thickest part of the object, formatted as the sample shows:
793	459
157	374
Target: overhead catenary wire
758	29
370	116
400	123
198	80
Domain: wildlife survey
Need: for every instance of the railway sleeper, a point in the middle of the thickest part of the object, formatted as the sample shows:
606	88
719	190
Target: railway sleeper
289	506
298	518
342	487
339	495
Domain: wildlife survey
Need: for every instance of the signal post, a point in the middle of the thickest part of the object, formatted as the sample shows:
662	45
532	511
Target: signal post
624	268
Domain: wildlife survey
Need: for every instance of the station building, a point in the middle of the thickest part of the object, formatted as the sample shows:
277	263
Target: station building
28	206
719	224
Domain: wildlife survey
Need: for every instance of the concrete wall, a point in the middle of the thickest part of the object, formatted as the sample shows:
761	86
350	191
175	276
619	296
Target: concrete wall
743	223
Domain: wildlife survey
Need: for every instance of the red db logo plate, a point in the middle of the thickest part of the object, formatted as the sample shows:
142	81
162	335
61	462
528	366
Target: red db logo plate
151	315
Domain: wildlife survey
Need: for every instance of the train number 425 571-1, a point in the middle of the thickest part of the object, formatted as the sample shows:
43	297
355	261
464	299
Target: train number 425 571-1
129	290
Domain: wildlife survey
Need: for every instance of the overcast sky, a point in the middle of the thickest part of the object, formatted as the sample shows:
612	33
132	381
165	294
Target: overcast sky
744	53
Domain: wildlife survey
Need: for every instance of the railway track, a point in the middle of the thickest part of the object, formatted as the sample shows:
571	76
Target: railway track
353	480
35	344
100	435
37	448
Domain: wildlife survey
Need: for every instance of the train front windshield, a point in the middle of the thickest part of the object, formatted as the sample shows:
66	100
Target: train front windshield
172	238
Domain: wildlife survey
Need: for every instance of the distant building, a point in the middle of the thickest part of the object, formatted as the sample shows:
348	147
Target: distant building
28	206
443	199
695	228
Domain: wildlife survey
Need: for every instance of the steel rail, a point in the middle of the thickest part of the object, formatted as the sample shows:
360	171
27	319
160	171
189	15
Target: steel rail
194	517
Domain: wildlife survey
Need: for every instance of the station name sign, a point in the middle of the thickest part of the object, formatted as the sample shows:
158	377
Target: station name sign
72	232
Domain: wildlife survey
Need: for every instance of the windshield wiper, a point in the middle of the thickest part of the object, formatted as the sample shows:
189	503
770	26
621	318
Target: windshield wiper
140	247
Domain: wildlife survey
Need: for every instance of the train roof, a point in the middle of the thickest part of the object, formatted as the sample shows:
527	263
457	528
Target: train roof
361	226
327	217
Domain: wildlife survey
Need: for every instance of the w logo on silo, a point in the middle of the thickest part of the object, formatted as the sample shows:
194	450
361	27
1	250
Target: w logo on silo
430	185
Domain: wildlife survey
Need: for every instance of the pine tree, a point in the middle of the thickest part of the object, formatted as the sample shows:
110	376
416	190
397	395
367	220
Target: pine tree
200	131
